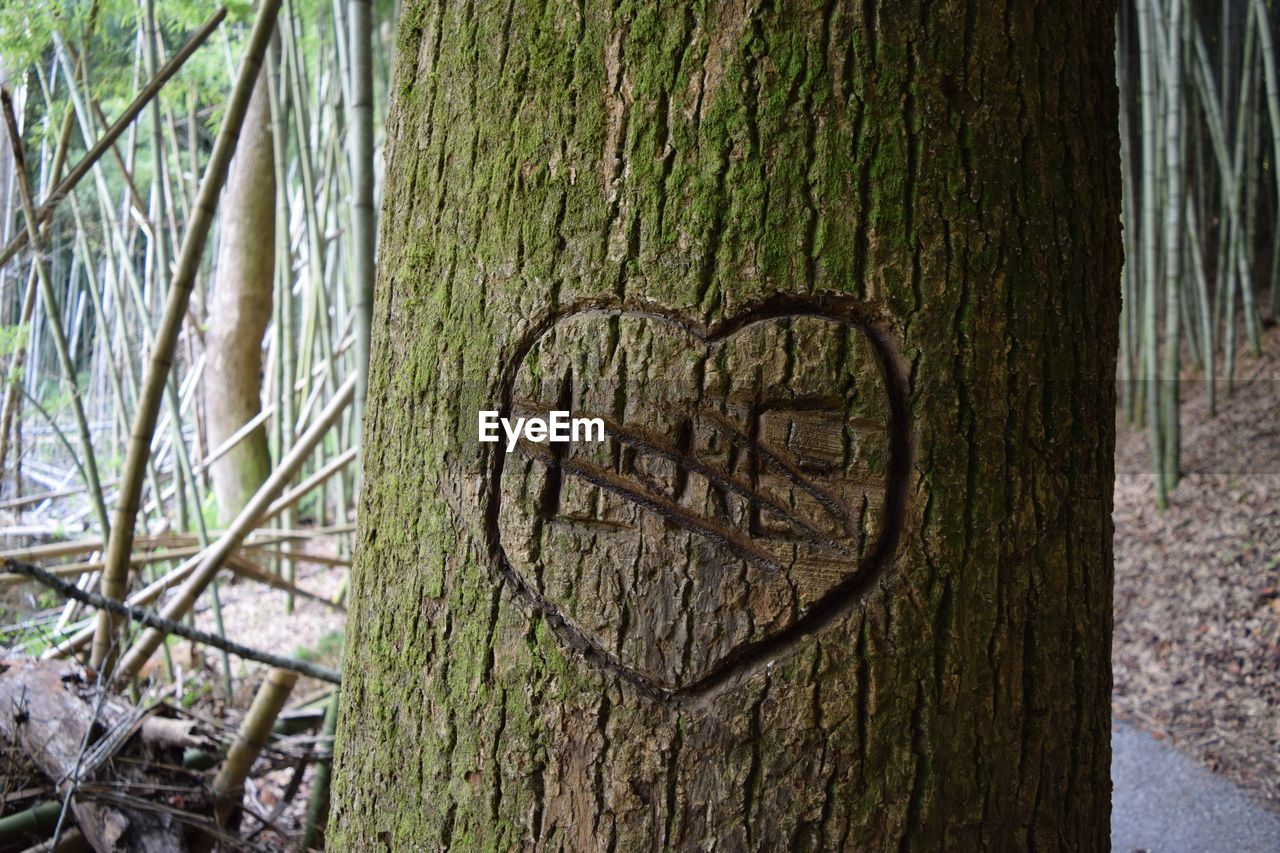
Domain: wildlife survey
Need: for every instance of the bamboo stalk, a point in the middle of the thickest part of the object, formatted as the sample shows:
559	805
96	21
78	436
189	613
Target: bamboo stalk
243	567
89	460
1150	348
14	377
234	439
1127	359
150	40
59	435
30	822
1202	300
115	576
1173	210
362	214
254	734
1269	76
318	805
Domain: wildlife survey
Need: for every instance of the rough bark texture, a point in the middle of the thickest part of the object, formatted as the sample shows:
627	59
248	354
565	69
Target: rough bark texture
843	282
240	309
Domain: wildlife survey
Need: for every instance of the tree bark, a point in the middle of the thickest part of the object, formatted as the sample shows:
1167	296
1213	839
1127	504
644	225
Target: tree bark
842	283
240	310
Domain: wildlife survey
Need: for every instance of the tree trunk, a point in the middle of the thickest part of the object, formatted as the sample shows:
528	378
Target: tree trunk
240	309
842	283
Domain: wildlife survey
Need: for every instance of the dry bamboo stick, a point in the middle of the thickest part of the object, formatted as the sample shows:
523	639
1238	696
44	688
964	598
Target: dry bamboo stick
299	556
167	626
246	568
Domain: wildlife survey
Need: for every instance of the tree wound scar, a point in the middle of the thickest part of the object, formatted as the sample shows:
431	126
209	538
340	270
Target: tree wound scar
750	487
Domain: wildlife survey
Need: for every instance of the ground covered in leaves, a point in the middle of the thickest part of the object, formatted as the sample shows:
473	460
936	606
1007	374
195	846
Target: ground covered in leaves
187	688
1196	653
258	617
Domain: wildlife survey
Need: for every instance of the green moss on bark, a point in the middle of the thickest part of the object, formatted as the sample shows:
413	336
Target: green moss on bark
953	165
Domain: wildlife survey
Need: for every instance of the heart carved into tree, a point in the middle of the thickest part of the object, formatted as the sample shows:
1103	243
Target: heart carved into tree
749	487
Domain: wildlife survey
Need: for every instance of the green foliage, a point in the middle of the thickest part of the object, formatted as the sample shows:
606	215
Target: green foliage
12	338
209	510
105	34
194	691
328	646
25	34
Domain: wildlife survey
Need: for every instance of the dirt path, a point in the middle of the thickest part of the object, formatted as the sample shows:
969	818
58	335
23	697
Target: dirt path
1164	801
1197	595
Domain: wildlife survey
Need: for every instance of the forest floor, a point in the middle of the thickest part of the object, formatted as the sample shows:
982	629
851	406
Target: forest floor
257	617
1196	653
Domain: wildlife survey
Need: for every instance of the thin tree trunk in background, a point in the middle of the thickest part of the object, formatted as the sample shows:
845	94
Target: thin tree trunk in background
362	215
843	282
1174	140
240	310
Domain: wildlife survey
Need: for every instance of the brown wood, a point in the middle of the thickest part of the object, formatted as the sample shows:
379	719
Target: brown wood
842	282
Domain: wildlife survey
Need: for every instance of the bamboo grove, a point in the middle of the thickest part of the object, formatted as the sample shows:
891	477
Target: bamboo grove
1200	144
118	222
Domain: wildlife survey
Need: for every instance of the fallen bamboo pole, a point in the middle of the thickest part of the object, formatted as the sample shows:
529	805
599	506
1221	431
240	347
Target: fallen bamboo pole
53	550
167	626
84	567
